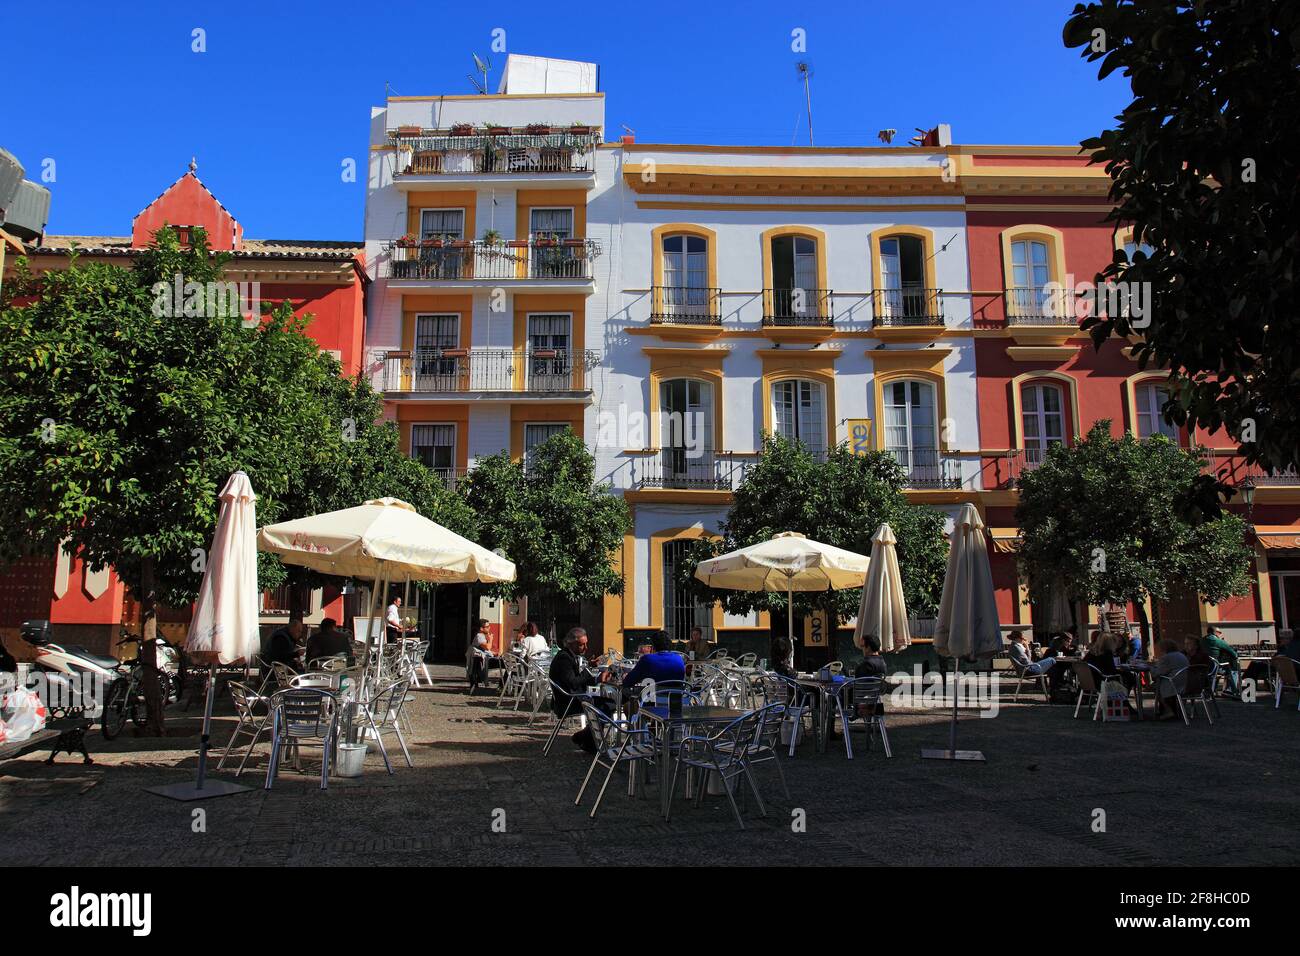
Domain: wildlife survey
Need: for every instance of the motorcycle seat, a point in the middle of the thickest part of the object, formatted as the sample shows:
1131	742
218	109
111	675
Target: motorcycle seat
100	660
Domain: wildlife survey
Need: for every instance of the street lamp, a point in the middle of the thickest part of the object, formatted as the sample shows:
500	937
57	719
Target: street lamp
1247	491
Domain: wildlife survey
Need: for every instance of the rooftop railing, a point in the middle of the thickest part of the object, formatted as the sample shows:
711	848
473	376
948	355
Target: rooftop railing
443	260
499	150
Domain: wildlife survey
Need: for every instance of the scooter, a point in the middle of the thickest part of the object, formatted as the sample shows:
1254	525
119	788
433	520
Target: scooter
96	685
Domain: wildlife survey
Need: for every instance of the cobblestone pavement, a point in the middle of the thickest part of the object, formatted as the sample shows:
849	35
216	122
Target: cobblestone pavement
1170	794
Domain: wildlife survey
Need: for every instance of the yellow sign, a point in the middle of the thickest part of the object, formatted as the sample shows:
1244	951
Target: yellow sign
859	435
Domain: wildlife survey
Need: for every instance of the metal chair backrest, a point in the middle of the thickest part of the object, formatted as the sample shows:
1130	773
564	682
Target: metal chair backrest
747	660
329	665
304	711
1285	668
717	655
658	692
244	698
284	674
1196	680
386	705
778	689
741	734
320	679
1089	677
863	692
769	731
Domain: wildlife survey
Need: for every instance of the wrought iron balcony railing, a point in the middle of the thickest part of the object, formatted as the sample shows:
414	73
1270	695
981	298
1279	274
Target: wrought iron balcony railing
928	468
1232	468
1041	307
685	305
687	469
498	150
908	307
487	370
441	260
798	307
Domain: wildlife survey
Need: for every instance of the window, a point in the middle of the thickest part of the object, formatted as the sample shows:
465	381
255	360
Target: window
434	446
681	611
794	267
686	275
549	361
797	413
902	277
448	225
686	431
1030	274
551	222
910	433
434	333
537	434
554	261
1150	420
1042	419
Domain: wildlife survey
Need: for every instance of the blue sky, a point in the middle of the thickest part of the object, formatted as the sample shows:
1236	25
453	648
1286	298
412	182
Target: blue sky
115	96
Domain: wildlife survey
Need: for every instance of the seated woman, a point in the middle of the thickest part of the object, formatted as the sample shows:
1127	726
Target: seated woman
1170	661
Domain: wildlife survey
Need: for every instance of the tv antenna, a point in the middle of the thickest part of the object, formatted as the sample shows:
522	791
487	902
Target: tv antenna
482	66
804	71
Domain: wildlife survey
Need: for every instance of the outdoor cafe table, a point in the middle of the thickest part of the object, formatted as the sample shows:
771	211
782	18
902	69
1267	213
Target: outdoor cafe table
826	689
1137	670
690	716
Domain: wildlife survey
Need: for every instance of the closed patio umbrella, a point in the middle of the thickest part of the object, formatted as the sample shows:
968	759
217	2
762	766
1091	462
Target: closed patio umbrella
224	627
787	562
883	611
967	625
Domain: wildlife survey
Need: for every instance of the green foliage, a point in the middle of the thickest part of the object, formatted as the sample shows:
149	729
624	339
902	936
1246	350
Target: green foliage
1108	517
1204	166
551	519
121	420
840	501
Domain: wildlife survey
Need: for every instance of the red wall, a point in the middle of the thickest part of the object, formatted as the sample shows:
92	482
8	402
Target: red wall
338	312
187	202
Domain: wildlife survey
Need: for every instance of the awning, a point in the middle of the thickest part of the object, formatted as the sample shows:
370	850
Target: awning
1004	540
1278	537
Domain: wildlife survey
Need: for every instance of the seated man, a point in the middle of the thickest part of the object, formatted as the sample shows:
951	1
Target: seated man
873	665
1288	645
572	679
1170	662
697	647
329	641
282	646
1220	650
659	665
1018	651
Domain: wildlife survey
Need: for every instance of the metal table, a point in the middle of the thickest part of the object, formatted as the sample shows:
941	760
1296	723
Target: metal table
690	716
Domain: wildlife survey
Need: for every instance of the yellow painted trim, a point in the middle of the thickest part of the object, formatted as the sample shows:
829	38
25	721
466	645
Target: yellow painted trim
1263	586
1055	242
765	246
1029	378
907	365
657	541
434	413
814	365
544	303
535	413
417	202
740	206
657	237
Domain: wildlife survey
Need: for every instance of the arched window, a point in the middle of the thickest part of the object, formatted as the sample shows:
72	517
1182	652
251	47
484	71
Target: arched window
799	412
1042	412
686	276
1030	273
911	435
794	276
1150	421
686	432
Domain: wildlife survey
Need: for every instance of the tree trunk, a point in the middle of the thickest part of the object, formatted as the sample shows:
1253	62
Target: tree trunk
151	682
1144	626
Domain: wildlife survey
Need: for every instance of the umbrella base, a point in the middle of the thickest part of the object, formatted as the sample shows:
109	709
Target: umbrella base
190	790
975	755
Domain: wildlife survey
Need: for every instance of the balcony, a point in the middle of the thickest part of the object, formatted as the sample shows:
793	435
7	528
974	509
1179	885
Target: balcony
685	305
494	154
927	468
539	263
488	373
907	308
798	308
1232	469
679	469
1037	308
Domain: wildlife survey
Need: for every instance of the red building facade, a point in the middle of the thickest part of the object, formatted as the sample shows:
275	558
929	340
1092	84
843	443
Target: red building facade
1035	217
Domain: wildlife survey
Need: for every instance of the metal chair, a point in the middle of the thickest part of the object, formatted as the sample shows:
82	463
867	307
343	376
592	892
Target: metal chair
572	711
724	753
779	689
299	715
320	679
1193	690
747	660
768	740
1022	675
383	715
1090	681
719	654
1285	678
861	697
514	679
333	664
835	668
253	711
415	654
617	743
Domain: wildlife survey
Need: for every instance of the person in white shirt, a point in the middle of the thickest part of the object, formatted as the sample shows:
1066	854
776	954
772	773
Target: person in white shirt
534	643
393	620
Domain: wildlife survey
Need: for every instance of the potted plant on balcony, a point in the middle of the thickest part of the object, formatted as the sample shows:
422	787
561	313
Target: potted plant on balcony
544	240
431	242
406	241
544	353
496	129
573	243
408	130
580	129
491	237
462	129
538	129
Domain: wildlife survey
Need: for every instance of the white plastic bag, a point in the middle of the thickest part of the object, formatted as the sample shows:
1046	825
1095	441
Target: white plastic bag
22	713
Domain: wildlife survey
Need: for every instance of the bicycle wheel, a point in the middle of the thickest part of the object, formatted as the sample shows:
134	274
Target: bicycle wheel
113	717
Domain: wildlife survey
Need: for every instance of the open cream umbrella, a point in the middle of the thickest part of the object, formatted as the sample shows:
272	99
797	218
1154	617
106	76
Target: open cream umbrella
883	611
967	625
224	626
383	540
786	562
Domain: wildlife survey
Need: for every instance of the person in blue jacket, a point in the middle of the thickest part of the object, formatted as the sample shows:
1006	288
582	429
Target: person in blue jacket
660	665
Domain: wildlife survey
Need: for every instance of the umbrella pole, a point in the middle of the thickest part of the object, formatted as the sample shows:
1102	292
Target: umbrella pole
789	612
952	753
202	788
956	684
